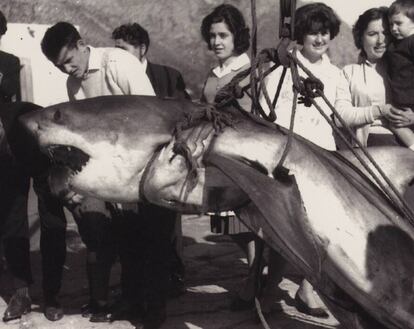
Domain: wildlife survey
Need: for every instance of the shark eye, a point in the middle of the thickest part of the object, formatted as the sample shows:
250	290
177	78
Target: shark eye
57	115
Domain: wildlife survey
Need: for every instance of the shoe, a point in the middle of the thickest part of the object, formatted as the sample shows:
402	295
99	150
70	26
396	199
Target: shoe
302	307
52	310
18	305
88	309
239	304
101	314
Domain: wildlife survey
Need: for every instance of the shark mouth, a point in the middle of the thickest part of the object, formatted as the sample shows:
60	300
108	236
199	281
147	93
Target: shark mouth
68	156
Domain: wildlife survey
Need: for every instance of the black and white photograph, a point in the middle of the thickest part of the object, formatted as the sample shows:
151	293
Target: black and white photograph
206	164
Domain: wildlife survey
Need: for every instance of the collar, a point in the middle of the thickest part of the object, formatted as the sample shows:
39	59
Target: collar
380	66
324	60
95	59
237	63
94	62
363	60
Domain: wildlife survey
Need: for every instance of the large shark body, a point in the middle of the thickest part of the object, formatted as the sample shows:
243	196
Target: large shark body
317	208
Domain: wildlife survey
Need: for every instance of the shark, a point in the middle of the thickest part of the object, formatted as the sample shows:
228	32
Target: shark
320	209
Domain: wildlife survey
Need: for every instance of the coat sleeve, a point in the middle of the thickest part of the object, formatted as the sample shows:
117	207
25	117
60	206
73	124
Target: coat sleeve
180	87
10	80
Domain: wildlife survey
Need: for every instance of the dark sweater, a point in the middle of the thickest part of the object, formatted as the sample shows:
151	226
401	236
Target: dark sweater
400	60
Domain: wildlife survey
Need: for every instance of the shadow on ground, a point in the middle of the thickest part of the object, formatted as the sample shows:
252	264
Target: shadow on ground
215	268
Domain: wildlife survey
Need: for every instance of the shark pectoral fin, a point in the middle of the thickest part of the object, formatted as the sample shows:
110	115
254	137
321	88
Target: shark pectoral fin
276	212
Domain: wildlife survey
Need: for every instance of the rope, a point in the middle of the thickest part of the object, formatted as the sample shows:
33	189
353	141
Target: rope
296	87
233	90
279	87
309	88
256	108
260	313
144	176
262	88
395	197
287	10
205	113
253	73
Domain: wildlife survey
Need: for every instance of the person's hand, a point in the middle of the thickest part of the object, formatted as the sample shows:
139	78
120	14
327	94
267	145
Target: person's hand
382	111
400	117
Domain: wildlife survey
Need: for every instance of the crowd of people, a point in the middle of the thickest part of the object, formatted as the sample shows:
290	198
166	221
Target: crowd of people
373	96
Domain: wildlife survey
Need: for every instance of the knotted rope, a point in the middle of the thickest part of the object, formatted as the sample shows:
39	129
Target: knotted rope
204	113
313	87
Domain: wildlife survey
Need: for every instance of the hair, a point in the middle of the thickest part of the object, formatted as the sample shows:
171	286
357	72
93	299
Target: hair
405	7
363	21
3	24
133	33
234	20
62	34
315	17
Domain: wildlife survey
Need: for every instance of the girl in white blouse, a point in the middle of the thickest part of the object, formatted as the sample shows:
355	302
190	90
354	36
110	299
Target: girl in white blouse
315	26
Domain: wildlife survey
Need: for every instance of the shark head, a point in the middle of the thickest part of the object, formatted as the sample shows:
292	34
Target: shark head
104	143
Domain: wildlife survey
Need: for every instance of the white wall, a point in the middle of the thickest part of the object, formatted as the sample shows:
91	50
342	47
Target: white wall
349	10
23	40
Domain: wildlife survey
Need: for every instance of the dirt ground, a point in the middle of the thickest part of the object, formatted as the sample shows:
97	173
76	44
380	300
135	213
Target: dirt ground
215	268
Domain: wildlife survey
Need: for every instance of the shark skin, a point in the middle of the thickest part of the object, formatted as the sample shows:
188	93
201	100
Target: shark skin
319	210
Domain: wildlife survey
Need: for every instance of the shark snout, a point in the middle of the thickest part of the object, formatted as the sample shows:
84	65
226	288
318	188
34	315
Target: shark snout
30	123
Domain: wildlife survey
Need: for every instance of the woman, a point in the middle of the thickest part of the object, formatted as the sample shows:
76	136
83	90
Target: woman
315	26
226	34
361	98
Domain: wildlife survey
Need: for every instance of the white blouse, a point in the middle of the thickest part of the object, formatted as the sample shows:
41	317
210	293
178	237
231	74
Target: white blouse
309	123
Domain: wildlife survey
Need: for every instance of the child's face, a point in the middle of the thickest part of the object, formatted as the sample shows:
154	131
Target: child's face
401	26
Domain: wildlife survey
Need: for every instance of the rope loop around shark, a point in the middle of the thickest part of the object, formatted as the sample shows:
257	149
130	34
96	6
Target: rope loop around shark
308	88
322	212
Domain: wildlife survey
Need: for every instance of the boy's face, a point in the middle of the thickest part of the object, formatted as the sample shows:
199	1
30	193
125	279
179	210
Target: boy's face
73	60
401	26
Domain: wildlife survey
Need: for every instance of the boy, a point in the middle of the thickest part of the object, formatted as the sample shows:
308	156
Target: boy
400	60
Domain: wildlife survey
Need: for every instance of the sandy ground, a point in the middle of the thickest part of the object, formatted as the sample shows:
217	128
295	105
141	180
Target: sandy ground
215	268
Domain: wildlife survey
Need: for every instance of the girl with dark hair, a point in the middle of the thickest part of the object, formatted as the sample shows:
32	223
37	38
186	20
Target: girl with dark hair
316	25
235	23
226	34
